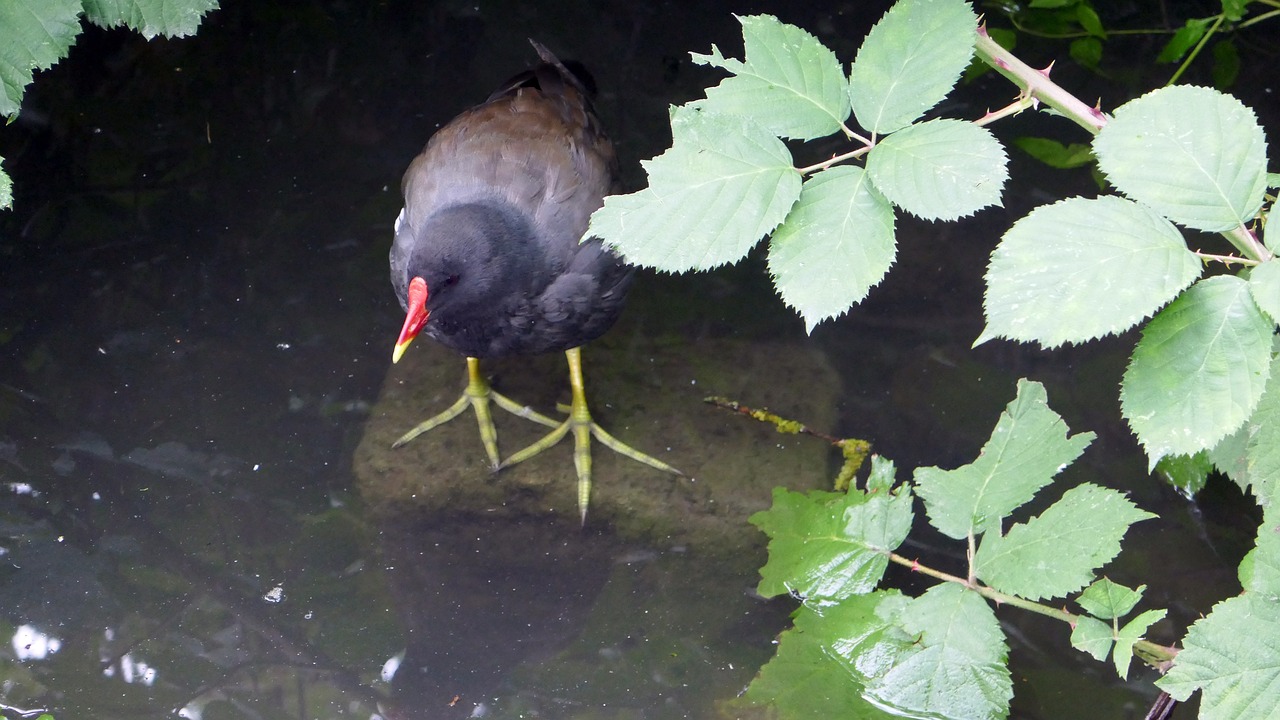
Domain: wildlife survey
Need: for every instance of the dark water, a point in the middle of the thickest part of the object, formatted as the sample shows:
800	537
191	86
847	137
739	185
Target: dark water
197	320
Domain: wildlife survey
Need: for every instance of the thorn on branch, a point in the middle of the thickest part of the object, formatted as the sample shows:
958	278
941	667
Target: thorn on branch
1227	260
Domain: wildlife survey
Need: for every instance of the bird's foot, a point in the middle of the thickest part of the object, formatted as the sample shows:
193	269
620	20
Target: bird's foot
477	396
584	428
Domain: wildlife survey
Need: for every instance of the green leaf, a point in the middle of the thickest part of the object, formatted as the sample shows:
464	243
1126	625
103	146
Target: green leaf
861	633
1183	40
960	669
1186	473
1194	154
1109	600
940	169
1089	20
172	18
1262	446
1234	9
835	245
724	183
1269	233
1028	446
790	83
1264	284
1056	553
827	546
1260	570
37	34
910	61
1092	636
1229	457
1231	656
1087	52
1199	369
1226	64
1050	269
881	476
1130	634
6	188
1054	153
802	682
1004	37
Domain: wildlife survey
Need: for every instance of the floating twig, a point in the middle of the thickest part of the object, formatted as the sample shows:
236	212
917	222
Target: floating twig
854	450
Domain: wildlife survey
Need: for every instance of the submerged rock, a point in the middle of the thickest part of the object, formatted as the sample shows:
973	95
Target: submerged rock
511	609
649	396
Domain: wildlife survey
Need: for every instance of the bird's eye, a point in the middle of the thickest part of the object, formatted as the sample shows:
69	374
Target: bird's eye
451	280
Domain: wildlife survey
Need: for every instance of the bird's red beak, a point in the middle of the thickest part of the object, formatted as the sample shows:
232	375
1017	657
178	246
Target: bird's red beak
414	319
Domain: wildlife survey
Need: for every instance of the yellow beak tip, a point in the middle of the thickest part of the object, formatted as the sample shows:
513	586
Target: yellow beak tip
398	352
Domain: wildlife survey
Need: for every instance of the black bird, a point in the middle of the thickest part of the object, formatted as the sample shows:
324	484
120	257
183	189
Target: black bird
489	257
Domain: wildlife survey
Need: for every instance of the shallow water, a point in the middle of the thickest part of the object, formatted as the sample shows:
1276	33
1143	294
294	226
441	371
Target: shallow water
197	322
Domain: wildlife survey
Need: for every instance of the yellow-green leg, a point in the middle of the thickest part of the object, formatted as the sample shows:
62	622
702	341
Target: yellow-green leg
583	427
477	395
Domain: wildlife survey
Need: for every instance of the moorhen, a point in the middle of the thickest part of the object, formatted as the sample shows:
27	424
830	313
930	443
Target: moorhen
489	257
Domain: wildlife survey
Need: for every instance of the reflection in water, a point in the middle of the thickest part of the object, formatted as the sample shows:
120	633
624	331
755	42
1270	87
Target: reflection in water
477	598
131	671
30	643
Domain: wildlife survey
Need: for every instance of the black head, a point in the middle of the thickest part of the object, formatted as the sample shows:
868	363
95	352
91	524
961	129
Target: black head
471	255
457	269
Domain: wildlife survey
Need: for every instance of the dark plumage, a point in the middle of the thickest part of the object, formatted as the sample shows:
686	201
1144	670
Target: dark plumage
495	210
489	259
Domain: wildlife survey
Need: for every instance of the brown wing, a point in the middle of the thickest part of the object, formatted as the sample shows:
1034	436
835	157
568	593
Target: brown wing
536	144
